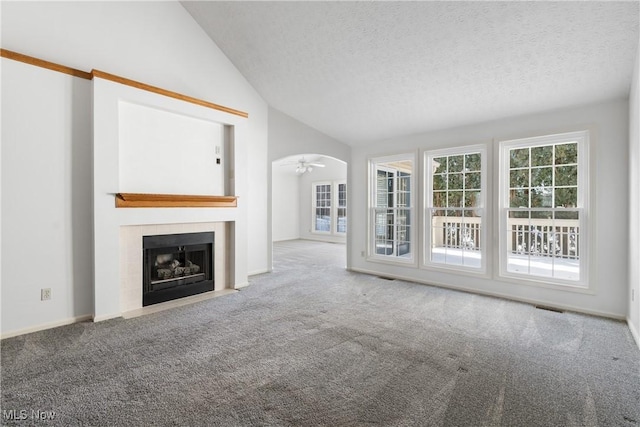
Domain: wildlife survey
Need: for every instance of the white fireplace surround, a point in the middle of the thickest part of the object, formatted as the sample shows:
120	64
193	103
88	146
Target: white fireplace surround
118	231
131	257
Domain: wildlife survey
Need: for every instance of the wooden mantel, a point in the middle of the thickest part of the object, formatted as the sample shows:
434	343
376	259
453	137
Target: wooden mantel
140	200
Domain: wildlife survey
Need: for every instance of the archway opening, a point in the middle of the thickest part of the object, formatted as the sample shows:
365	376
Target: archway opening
309	201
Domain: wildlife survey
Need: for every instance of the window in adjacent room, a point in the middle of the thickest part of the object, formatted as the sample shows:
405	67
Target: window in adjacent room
329	207
544	208
322	207
454	201
392	208
341	212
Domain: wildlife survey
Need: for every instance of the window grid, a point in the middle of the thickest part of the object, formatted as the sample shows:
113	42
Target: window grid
322	221
544	208
341	214
453	207
544	176
392	209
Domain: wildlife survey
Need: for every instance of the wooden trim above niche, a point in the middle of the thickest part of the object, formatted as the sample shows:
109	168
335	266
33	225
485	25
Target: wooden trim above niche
160	91
4	53
144	200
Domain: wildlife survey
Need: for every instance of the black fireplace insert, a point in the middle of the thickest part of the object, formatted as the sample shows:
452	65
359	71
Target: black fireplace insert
176	266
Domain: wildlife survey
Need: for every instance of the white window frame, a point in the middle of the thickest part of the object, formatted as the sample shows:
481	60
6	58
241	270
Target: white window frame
583	209
336	191
481	208
333	215
314	206
371	234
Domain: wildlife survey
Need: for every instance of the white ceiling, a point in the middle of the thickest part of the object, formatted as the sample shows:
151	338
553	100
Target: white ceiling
365	71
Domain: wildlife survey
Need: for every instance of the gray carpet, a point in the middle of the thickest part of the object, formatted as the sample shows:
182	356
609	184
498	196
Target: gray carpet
312	344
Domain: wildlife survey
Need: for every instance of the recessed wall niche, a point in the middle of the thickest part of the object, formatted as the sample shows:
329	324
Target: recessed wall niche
165	152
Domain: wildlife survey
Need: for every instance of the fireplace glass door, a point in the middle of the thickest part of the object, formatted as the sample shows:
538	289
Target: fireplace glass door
177	265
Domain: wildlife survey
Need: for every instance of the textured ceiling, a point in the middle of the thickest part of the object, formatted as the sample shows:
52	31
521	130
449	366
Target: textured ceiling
365	71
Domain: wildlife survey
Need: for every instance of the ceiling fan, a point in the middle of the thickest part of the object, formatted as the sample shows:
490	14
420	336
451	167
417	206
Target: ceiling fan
303	165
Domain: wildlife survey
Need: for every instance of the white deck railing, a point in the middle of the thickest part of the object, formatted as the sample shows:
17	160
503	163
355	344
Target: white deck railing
456	232
544	237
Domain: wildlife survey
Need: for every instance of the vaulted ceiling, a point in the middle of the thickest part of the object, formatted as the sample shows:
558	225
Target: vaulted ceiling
366	71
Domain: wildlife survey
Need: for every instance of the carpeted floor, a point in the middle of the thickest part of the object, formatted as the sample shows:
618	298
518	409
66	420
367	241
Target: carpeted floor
312	344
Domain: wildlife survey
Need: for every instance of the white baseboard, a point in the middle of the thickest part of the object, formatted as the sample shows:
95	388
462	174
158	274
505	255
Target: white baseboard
241	285
256	272
325	239
106	317
634	332
44	326
494	294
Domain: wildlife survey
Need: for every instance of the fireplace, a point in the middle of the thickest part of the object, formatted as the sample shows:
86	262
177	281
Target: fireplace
176	266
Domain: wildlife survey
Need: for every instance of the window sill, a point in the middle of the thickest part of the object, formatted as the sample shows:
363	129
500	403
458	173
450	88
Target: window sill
456	269
540	282
404	262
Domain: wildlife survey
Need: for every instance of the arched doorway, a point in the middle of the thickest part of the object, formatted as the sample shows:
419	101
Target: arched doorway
309	199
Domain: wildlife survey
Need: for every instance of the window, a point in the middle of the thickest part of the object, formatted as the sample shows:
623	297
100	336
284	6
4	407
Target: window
543	204
341	216
454	200
329	207
391	207
322	207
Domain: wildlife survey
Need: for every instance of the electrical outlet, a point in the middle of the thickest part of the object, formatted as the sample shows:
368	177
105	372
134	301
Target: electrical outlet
362	253
45	294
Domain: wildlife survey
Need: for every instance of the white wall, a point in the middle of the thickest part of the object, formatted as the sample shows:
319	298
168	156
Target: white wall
46	197
167	153
285	202
288	137
1	181
157	43
609	176
634	203
335	170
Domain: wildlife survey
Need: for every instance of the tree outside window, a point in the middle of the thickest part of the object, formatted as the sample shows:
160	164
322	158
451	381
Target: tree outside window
544	200
454	200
